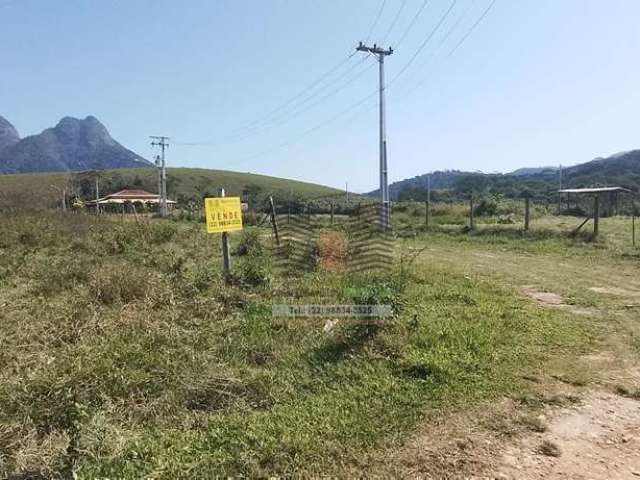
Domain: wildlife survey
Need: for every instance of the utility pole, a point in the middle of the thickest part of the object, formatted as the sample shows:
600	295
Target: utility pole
428	202
97	197
163	143
346	191
380	53
560	194
158	163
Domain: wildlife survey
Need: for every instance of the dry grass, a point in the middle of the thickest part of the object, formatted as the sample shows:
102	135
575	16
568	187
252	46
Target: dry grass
549	449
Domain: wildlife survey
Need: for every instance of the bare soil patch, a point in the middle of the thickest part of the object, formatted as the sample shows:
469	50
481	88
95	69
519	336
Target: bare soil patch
332	251
553	300
546	299
599	439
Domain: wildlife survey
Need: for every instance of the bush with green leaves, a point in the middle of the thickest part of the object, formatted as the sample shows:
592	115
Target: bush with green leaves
249	243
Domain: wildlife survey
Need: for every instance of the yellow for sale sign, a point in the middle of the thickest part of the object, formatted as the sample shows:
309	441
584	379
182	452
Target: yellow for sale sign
223	214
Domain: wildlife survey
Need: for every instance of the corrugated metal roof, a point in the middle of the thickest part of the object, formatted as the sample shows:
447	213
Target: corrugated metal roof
595	190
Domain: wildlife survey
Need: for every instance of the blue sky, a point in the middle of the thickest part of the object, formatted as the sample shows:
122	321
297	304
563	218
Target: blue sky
537	82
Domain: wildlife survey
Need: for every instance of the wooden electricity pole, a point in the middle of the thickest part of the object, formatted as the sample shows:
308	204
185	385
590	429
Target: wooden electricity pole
274	221
527	214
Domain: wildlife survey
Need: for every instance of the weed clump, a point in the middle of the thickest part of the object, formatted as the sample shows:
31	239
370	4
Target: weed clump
223	393
122	283
253	270
549	449
249	243
623	391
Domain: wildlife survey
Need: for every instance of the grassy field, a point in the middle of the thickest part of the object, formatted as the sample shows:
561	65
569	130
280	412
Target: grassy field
184	184
125	355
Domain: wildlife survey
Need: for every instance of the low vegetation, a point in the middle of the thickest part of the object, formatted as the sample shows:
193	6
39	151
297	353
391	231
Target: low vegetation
126	354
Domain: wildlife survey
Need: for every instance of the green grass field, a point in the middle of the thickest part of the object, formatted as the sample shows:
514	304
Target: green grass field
125	355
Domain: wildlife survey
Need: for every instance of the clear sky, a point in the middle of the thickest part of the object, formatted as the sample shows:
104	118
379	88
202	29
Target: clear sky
537	82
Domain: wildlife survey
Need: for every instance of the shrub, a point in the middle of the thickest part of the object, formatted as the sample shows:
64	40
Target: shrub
253	270
249	243
375	289
162	232
485	208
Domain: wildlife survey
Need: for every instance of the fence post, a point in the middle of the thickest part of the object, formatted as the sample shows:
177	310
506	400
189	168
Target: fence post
331	213
471	222
427	213
226	255
596	215
274	222
527	214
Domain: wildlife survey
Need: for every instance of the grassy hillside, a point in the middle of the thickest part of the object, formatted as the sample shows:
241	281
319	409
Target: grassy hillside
184	184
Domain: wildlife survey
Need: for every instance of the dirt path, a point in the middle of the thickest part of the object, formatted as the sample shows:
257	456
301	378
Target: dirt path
599	439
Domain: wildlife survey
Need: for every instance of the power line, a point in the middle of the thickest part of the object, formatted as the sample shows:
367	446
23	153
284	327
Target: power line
457	22
424	43
297	107
440	44
393	23
466	35
240	131
375	22
412	23
300	111
473	27
301	108
310	130
266	119
292	99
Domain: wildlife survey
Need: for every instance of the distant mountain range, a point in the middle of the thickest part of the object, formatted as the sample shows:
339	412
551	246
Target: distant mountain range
8	134
72	145
621	169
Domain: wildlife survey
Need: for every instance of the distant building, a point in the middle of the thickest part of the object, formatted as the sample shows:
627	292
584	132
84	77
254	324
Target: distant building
134	197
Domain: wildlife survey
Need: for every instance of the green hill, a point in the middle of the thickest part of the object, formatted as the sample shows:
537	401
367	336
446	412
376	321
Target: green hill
43	190
622	169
